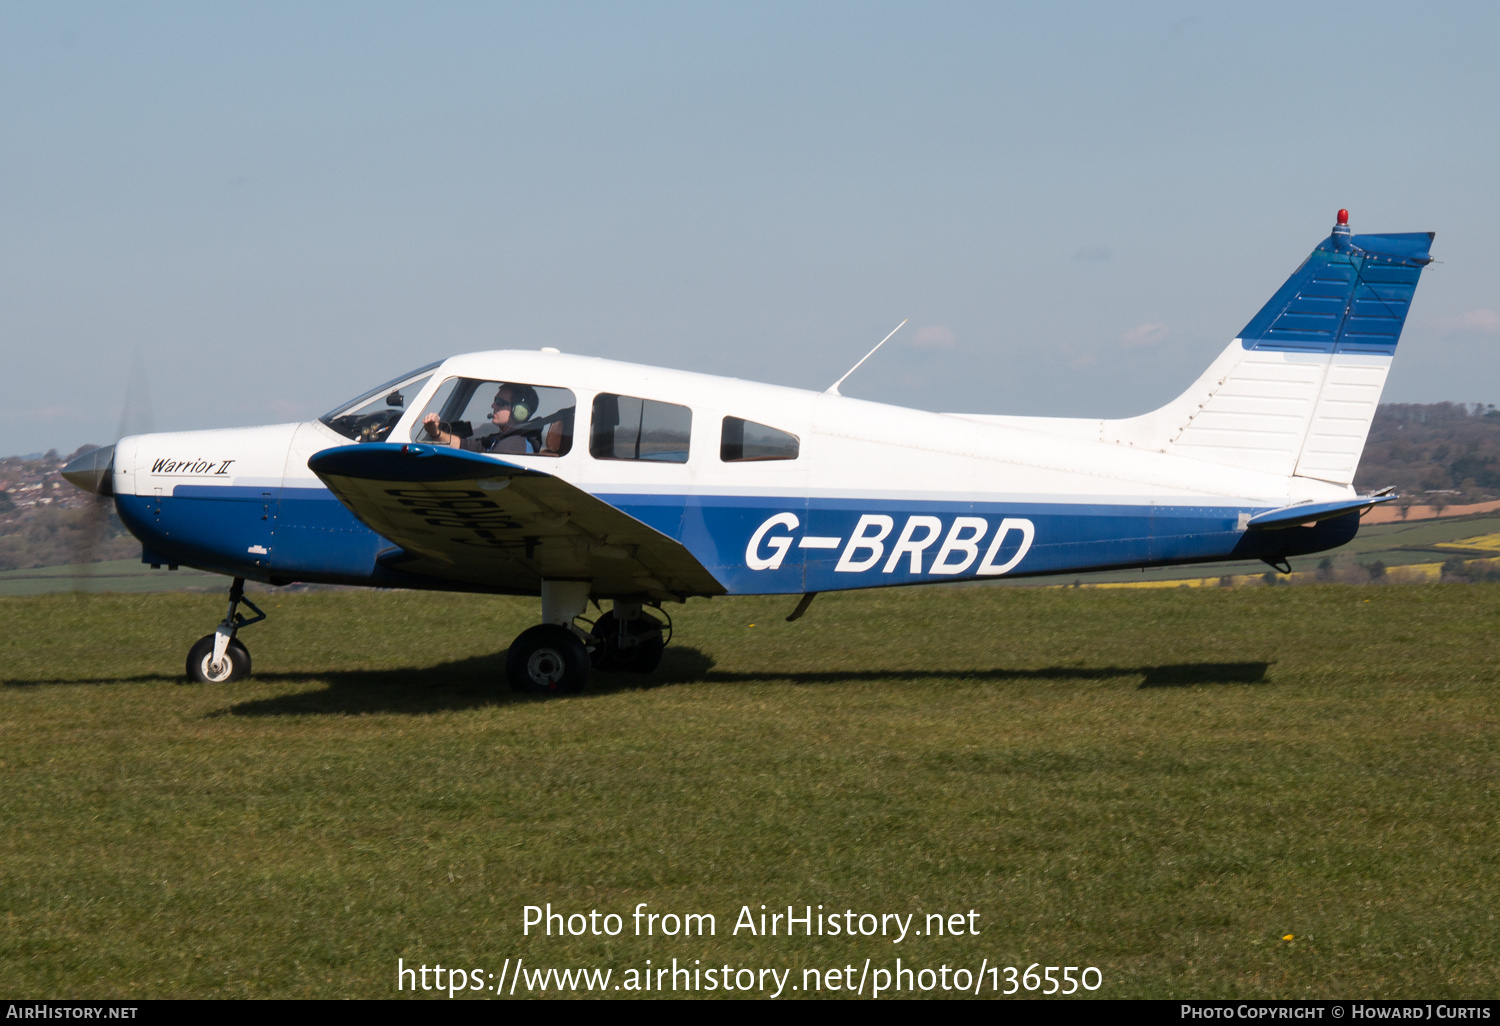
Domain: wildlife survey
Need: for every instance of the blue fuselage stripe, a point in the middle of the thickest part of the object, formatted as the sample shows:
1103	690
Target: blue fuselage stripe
837	543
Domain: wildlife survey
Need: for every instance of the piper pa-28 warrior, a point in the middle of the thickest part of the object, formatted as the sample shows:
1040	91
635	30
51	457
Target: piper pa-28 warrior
578	479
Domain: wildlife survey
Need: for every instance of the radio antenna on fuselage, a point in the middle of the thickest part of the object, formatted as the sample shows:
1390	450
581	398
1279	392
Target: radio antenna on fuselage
833	389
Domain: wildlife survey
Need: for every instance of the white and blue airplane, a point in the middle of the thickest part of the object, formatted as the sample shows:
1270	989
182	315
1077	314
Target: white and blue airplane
578	479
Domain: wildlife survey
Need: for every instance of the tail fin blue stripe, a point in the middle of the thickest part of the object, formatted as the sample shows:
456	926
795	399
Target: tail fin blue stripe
1351	295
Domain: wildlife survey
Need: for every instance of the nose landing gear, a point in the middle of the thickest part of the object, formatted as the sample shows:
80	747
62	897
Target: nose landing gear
220	658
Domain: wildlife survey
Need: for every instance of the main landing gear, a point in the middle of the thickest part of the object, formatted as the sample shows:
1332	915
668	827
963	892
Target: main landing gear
629	638
554	657
220	658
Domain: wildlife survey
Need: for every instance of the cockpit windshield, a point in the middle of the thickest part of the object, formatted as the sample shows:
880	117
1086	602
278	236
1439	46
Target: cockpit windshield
371	417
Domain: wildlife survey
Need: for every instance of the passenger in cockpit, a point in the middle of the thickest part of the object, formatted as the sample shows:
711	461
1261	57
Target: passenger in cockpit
512	408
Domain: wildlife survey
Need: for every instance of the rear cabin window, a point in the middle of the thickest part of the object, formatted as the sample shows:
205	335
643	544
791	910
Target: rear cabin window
510	418
745	441
628	428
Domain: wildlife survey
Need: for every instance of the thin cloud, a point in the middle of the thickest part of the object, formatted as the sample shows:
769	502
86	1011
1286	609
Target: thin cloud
1077	358
1144	335
1093	254
287	408
1476	322
934	337
45	414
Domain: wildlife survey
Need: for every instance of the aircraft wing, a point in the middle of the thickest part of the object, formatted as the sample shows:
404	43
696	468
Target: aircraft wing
469	517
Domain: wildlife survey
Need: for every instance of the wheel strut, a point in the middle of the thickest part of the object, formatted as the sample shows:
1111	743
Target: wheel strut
234	620
629	638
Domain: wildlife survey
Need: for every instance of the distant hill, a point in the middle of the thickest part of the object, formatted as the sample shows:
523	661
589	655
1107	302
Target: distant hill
1448	448
45	521
54	537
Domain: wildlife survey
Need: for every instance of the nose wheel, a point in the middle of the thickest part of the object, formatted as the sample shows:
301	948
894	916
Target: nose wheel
220	657
204	668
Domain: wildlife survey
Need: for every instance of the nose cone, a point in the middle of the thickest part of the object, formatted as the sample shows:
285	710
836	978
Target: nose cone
93	471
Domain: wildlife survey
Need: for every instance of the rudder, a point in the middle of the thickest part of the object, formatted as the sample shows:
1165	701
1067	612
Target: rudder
1295	393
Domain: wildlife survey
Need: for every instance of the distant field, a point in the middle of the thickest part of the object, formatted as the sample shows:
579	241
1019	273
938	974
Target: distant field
1399	544
119	575
1161	784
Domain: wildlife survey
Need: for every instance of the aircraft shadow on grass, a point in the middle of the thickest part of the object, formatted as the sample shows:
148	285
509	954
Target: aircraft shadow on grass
479	681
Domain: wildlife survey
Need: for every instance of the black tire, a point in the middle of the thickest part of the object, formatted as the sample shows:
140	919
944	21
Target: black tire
200	656
646	656
547	660
606	651
642	657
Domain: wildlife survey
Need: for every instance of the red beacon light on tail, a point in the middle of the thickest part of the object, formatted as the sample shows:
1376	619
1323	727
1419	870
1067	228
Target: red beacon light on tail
1344	218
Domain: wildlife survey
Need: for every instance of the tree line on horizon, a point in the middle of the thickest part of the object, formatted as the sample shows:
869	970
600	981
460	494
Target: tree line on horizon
1448	449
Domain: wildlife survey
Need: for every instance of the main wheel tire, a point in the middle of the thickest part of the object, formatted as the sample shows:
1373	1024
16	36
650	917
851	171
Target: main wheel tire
642	657
646	656
547	660
200	668
606	651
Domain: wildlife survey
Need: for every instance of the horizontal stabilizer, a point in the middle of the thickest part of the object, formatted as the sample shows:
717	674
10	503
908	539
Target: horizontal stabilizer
1309	512
465	516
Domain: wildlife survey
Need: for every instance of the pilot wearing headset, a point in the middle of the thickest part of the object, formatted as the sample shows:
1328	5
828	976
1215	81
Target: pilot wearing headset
513	407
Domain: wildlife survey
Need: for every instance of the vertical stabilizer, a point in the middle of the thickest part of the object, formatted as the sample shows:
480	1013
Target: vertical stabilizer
1295	393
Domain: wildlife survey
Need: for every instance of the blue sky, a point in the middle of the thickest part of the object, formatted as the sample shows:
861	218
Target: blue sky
270	208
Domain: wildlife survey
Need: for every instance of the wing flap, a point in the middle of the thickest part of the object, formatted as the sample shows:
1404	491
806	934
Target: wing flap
475	518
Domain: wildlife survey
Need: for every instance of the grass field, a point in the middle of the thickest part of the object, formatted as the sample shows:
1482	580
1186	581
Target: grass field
1161	784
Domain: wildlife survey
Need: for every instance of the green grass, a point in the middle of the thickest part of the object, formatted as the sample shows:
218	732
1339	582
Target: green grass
1160	784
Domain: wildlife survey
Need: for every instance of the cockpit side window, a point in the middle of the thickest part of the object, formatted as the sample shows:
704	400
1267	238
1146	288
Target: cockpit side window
502	417
745	441
627	428
371	417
